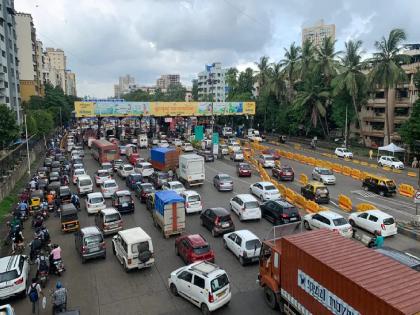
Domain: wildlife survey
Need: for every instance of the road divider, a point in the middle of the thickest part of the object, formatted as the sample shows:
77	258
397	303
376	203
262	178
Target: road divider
346	170
406	190
412	174
337	168
290	195
312	206
303	179
364	207
355	173
345	203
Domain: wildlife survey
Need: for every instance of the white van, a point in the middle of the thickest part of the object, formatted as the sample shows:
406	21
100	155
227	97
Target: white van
133	249
142	141
95	202
84	184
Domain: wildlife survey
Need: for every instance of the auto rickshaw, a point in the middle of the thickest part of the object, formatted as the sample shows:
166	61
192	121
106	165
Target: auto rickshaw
68	217
54	187
43	183
65	194
35	200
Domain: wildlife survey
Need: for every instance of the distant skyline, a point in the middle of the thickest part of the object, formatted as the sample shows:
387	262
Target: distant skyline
106	39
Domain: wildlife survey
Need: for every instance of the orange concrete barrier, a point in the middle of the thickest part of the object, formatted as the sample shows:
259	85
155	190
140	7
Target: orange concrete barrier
303	179
295	156
319	163
337	168
311	161
365	206
406	190
346	170
281	188
355	173
289	155
412	174
363	175
297	146
364	163
373	165
311	206
345	203
356	161
396	171
290	195
386	168
328	164
300	201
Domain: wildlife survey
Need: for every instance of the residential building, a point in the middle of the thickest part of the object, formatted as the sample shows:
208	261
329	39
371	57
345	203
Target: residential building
401	100
39	55
9	73
166	80
212	84
57	62
149	89
29	74
188	94
126	84
70	83
317	33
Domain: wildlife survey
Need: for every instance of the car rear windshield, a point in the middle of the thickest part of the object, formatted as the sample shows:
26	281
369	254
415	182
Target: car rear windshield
124	199
103	173
322	190
225	177
112	217
270	187
146	167
290	210
245	167
96	200
136	178
268	158
390	183
339	221
194	198
108	185
93	239
142	247
225	218
253	244
325	172
389	221
163	175
251	205
79	172
128	168
8	275
85	182
219	283
287	169
201	249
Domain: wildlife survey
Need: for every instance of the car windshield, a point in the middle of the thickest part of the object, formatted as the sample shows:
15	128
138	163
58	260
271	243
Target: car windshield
394	159
79	172
54	174
128	168
345	151
96	200
251	205
112	217
219	283
225	178
85	182
225	218
245	167
8	275
108	185
106	166
193	198
322	190
148	187
103	173
65	191
201	249
123	199
339	221
93	239
390	183
324	171
253	244
136	178
270	187
146	166
389	221
268	158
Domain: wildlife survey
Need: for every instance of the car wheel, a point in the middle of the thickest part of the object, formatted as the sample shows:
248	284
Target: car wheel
240	217
205	309
392	166
366	188
382	193
201	222
241	260
270	298
83	260
306	225
173	289
213	232
352	223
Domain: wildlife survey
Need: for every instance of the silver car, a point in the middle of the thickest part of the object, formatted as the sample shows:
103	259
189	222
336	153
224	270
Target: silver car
324	175
223	182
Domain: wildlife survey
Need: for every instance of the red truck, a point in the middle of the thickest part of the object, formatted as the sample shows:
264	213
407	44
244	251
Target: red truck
321	272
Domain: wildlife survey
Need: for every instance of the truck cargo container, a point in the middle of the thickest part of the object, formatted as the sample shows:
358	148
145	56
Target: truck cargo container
169	212
191	170
164	159
321	272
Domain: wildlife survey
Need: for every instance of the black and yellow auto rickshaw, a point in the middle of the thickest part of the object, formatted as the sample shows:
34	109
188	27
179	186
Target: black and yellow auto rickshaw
54	187
69	218
64	194
35	200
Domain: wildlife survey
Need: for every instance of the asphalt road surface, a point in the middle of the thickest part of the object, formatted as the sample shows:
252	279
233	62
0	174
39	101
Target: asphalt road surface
103	287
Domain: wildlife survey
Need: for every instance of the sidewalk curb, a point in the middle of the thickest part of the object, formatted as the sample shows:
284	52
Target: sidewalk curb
413	234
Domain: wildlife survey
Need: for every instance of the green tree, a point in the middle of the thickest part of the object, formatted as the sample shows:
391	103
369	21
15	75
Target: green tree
44	121
231	79
9	130
306	58
387	71
175	93
326	59
262	79
410	130
277	83
290	67
194	90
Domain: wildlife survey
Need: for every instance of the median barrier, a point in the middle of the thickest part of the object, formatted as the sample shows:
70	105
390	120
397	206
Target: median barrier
347	159
406	190
412	174
297	146
396	171
300	200
281	188
363	175
364	207
311	161
364	163
295	156
345	203
386	168
346	170
290	195
328	164
373	165
337	168
355	173
303	179
311	206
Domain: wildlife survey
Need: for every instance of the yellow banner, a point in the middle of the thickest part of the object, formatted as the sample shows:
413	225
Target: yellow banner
249	108
84	109
160	109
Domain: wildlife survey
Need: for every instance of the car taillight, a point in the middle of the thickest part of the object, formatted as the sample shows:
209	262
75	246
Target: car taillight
103	244
217	222
19	281
84	249
129	261
211	297
284	215
383	227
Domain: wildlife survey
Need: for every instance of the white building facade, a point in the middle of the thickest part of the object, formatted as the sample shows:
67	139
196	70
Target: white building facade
211	83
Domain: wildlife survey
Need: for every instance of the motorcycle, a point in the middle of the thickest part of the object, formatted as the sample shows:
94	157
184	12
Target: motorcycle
17	248
58	268
50	207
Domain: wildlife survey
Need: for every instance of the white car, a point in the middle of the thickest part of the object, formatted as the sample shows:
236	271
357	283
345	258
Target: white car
204	284
224	149
175	186
106	166
78	166
328	220
187	147
237	156
266	160
163	144
264	191
246	207
108	188
101	175
144	168
14	271
95	202
343	153
243	244
374	221
193	203
391	162
125	169
77	173
177	142
117	164
324	175
123	149
234	147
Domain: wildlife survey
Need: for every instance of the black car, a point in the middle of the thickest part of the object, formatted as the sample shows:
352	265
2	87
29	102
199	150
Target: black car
55	164
122	201
207	155
48	162
143	190
54	176
217	220
132	179
279	212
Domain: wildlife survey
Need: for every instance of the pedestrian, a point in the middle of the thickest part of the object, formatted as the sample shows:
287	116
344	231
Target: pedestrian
34	291
415	163
59	298
370	154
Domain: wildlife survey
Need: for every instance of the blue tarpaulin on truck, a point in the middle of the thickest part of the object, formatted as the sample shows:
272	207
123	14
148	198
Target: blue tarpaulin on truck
165	197
158	154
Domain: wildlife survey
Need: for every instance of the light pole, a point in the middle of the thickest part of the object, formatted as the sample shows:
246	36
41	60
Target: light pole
346	129
27	147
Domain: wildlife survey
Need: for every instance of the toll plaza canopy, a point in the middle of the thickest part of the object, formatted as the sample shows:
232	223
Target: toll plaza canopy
161	109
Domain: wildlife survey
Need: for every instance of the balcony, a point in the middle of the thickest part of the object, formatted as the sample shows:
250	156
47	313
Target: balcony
373	133
377	102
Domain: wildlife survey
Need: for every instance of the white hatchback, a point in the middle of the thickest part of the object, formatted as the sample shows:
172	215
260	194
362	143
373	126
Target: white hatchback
264	191
391	162
343	153
101	175
95	202
374	221
77	173
193	203
175	186
324	175
144	168
328	220
108	188
243	244
266	160
125	170
14	271
246	207
187	147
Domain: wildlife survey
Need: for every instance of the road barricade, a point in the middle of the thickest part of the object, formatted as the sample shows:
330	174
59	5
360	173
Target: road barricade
412	174
356	161
394	170
295	156
311	161
386	168
290	195
364	207
297	146
406	190
289	155
303	179
319	163
363	175
337	168
328	164
364	163
282	189
355	173
346	170
300	201
345	203
311	206
373	165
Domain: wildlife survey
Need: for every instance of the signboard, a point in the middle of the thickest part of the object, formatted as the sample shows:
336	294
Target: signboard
417	197
328	299
215	138
199	133
215	148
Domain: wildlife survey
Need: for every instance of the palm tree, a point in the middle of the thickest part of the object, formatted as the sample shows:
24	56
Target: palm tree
277	84
290	67
262	79
326	59
351	78
306	58
387	71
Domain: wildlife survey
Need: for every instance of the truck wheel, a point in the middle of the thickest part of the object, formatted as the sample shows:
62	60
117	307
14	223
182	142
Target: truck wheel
270	298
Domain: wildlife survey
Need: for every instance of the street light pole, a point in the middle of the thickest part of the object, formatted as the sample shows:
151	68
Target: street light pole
346	129
27	147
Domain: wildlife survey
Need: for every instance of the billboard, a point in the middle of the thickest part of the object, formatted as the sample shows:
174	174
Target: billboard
161	109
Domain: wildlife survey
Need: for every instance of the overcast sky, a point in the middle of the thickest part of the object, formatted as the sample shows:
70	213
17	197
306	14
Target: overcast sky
104	39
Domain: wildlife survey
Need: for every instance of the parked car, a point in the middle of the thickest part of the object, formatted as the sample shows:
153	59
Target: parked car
343	153
101	175
243	244
144	168
280	212
267	161
391	162
116	164
158	179
223	182
316	191
246	207
109	221
243	169
374	221
379	185
108	188
193	203
187	147
207	155
328	220
132	180
174	185
324	175
217	220
264	191
283	172
192	248
203	284
125	170
122	201
90	243
95	202
14	271
142	190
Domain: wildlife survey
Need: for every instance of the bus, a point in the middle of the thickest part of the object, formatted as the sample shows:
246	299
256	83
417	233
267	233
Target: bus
105	151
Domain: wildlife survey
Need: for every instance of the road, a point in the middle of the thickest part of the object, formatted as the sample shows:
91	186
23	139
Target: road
103	287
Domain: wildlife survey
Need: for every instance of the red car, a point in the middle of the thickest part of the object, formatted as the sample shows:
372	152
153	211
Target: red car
244	169
193	247
134	158
272	152
283	173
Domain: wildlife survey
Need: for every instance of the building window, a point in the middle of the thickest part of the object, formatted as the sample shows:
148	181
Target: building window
2	38
7	99
6	84
3	53
380	94
4	69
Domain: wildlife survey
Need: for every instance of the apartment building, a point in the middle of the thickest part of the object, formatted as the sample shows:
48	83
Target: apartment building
211	83
318	32
401	100
166	80
55	63
126	84
9	72
70	83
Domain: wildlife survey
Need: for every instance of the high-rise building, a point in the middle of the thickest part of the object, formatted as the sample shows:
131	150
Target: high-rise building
211	83
126	84
166	80
56	62
70	83
29	67
317	33
9	73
